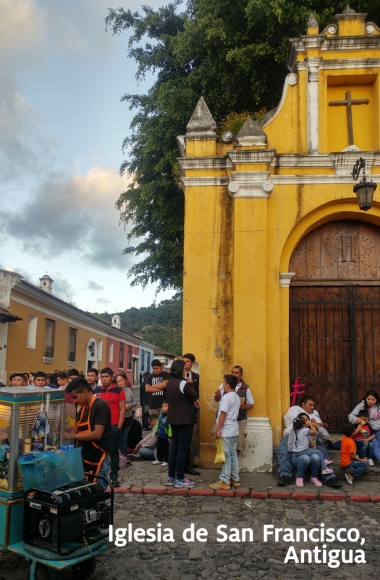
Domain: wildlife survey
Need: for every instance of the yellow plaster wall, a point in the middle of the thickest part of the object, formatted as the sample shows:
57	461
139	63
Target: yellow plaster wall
21	359
238	313
207	297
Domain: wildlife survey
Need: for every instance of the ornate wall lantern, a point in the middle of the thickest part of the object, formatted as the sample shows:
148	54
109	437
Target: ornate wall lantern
364	189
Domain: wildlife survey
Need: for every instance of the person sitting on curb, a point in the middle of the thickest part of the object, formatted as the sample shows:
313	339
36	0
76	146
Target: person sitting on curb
146	448
285	465
353	465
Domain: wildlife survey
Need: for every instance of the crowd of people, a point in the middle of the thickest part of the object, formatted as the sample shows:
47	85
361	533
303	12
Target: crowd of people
306	441
103	424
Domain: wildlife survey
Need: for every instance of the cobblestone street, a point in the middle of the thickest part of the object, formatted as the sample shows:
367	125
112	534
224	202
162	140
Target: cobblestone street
180	560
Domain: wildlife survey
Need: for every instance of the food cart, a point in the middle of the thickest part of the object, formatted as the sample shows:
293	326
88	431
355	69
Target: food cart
50	512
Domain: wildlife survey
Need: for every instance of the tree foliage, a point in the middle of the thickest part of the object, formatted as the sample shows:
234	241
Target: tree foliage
233	53
160	324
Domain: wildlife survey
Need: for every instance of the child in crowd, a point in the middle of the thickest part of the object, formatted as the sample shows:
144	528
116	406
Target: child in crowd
349	460
363	438
146	447
299	444
163	432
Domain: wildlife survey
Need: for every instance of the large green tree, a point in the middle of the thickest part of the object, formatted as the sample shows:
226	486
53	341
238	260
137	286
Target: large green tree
233	53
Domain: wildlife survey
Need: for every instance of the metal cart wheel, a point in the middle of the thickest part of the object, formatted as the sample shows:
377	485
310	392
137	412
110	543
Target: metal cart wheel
85	568
41	573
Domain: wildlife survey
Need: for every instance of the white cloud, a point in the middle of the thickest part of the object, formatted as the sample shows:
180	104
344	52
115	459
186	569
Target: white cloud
74	215
22	25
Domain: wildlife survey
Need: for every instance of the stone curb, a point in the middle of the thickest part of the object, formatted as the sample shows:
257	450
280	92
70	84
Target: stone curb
253	493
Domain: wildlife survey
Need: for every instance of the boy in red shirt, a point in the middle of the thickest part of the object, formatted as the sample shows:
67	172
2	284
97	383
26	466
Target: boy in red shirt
115	397
349	460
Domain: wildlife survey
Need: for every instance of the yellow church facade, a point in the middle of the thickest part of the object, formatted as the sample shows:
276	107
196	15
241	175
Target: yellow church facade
282	267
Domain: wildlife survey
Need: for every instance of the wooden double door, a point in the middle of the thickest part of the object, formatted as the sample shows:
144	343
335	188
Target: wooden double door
335	316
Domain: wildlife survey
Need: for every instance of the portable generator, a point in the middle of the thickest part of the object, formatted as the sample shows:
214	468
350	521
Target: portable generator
68	517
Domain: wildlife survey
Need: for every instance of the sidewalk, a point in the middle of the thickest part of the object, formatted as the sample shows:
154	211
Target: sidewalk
144	478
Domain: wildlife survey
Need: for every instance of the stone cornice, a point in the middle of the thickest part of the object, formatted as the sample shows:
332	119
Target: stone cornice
318	179
204	181
293	160
187	163
256	156
348	63
335	43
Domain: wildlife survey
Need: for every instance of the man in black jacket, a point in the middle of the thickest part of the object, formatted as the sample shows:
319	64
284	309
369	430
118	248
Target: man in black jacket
191	376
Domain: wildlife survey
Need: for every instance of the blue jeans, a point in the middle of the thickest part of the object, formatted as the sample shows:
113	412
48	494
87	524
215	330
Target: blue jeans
104	471
285	465
114	452
302	462
358	466
181	439
310	452
364	448
147	453
230	468
123	440
376	445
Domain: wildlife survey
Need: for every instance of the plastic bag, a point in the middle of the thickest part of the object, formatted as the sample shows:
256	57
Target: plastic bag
220	456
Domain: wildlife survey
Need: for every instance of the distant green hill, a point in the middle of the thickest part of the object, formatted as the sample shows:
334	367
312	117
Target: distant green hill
159	324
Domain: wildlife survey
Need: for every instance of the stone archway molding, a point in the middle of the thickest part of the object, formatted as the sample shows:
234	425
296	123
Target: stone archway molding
327	213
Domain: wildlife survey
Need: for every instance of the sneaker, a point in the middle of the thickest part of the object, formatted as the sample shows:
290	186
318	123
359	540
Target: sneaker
129	462
164	464
114	482
220	485
299	481
156	462
171	481
235	483
371	463
350	479
285	480
316	481
327	471
184	483
328	461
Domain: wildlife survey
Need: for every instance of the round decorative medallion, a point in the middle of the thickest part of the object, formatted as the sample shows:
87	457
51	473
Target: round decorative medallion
228	137
292	79
268	186
332	29
233	187
369	28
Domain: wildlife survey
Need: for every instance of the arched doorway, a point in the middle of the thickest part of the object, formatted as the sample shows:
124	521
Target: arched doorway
335	316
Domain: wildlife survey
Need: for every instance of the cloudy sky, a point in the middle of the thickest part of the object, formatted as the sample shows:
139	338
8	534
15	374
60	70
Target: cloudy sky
61	130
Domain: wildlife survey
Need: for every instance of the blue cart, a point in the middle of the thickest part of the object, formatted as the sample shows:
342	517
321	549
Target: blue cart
18	410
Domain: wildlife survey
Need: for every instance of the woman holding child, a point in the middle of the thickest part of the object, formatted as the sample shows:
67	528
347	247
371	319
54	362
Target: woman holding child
370	403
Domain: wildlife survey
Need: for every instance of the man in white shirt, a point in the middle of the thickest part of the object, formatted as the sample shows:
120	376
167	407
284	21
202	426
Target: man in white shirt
228	430
246	404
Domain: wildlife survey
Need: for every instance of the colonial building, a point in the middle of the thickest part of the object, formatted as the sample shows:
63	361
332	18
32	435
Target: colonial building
39	331
282	267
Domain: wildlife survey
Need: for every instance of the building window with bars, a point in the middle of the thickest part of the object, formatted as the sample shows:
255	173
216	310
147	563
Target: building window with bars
49	338
129	358
121	355
72	344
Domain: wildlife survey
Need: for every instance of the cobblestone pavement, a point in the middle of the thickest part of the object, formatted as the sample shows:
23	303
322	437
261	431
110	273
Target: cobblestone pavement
194	560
